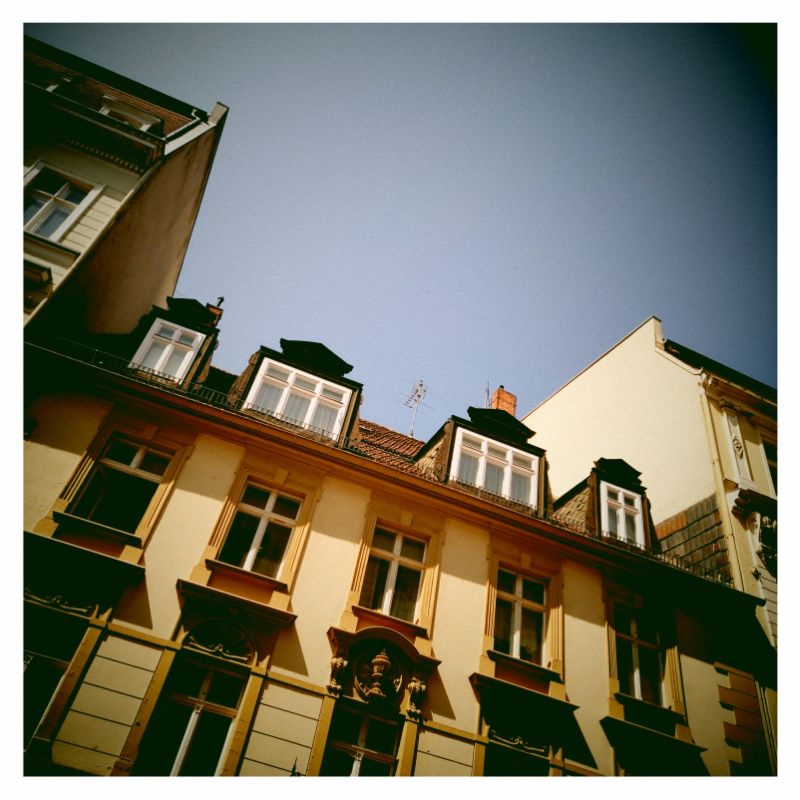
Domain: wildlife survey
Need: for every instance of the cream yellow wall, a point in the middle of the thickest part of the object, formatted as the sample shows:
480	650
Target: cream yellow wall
282	732
458	624
634	403
182	532
323	580
443	756
586	660
98	722
65	426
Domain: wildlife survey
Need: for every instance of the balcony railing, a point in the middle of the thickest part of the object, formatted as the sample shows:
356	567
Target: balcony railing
233	403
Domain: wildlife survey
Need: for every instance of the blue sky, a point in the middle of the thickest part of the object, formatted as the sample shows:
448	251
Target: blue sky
473	204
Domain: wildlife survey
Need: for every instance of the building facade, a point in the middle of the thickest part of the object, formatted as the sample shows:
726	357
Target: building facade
107	162
236	574
705	439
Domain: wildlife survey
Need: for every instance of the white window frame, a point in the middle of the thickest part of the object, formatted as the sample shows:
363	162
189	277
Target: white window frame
265	515
636	644
506	463
290	385
621	510
171	345
518	602
140	119
396	560
91	188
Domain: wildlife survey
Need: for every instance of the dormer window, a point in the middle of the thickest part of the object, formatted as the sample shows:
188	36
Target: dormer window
168	350
621	514
495	467
299	398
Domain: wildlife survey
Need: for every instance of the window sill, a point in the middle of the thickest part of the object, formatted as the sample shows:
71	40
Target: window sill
90	526
649	715
526	667
409	629
255	578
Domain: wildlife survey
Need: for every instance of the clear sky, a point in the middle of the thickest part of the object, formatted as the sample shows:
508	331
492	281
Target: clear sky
473	204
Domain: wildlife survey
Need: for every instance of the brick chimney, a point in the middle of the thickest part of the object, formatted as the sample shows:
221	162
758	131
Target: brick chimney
505	401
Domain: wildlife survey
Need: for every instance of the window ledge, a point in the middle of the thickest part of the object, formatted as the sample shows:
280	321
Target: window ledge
528	667
410	629
88	525
649	715
246	575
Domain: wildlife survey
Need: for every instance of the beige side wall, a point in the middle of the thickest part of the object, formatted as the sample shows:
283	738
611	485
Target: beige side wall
458	625
634	403
445	756
98	723
182	532
65	427
586	665
323	580
282	732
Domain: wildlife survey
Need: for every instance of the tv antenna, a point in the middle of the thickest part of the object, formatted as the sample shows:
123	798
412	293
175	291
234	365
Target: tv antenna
413	401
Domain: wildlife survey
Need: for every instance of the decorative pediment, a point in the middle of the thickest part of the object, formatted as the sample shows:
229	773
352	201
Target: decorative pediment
381	667
223	639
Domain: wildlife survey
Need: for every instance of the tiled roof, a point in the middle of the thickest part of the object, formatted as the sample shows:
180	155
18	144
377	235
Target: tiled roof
386	446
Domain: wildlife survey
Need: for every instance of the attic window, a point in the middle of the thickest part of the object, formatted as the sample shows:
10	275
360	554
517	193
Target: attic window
495	467
299	398
168	350
621	514
125	113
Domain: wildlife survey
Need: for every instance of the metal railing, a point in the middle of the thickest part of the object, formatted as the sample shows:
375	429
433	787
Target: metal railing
234	403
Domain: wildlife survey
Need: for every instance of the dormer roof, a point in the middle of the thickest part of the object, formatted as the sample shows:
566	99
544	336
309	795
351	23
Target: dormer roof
315	356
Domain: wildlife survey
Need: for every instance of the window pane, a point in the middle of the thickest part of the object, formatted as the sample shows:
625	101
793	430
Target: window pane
612	520
162	739
333	394
497	452
48	181
167	331
374	585
324	418
530	646
186	339
381	736
468	441
239	539
74	195
502	626
305	383
154	352
625	666
645	628
286	507
276	372
205	748
174	362
187	677
506	582
273	546
336	763
268	397
533	590
40	681
384	540
650	674
32	204
630	527
404	600
521	461
121	452
630	500
225	689
115	499
379	769
51	221
493	480
255	496
412	549
520	487
154	463
622	619
345	726
296	408
468	468
612	495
